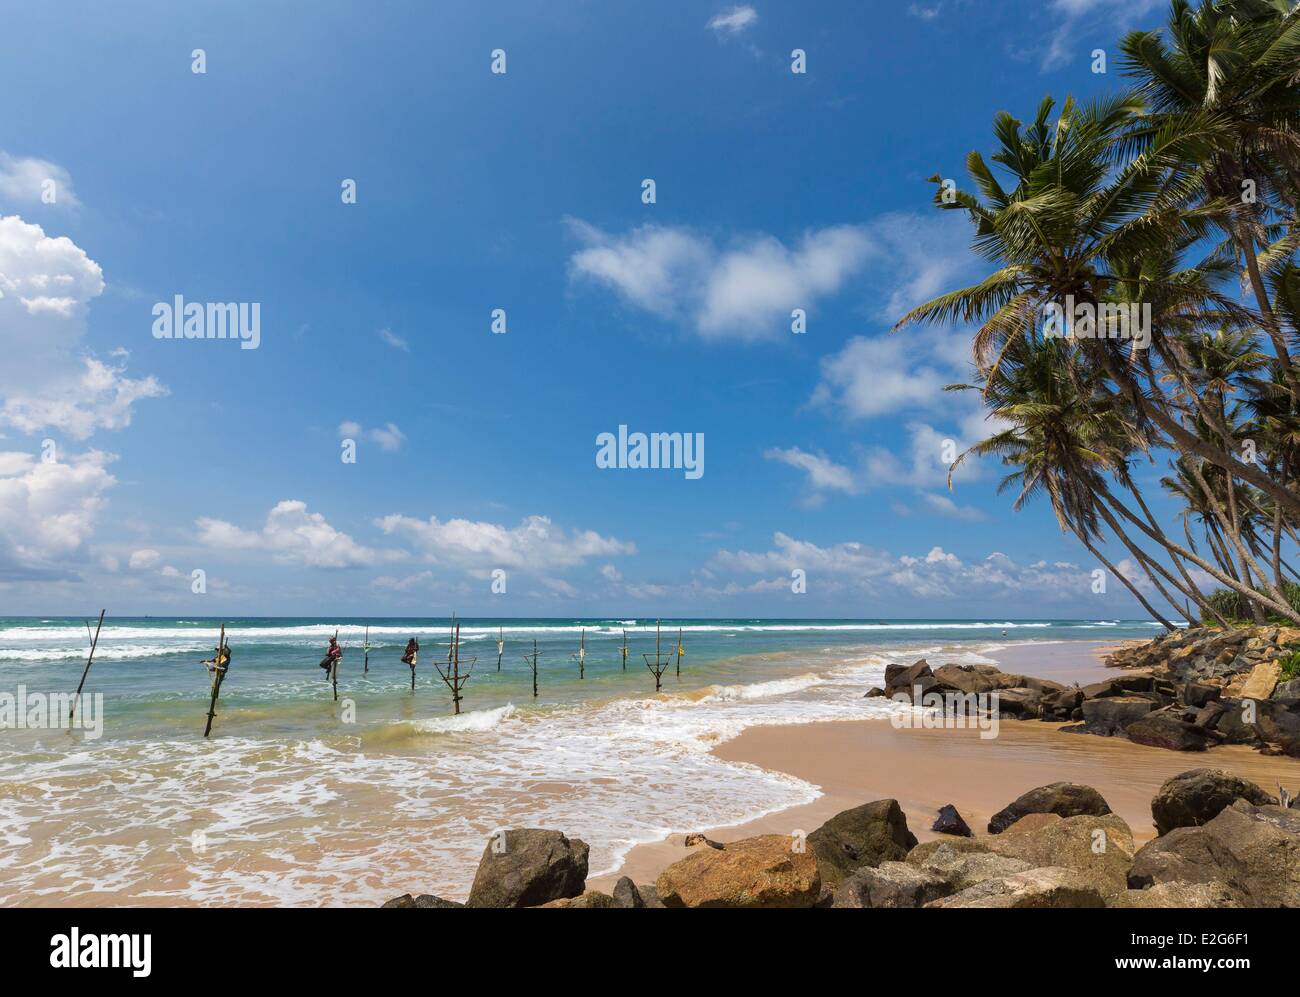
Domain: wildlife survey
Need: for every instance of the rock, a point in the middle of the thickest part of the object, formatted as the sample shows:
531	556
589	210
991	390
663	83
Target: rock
649	895
950	821
590	900
1019	704
1052	886
1161	730
900	677
423	900
1198	796
1185	895
1275	723
1044	687
692	840
1287	690
874	692
962	863
1254	851
766	871
891	884
527	868
864	836
1065	799
1198	695
1110	716
1099	848
1099	690
965	678
1262	681
626	895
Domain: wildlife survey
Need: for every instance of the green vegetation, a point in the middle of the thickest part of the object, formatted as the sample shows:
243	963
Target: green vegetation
1163	222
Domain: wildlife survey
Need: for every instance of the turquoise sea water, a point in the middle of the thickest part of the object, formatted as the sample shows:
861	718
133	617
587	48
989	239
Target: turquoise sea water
298	799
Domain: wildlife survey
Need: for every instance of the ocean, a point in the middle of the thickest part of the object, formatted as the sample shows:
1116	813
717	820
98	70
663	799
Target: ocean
297	799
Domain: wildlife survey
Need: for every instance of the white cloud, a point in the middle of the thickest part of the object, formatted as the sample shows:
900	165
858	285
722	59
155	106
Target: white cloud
611	573
823	473
890	373
46	285
387	437
734	20
144	559
48	511
97	397
746	291
1077	16
394	340
536	545
937	574
292	534
945	506
23	181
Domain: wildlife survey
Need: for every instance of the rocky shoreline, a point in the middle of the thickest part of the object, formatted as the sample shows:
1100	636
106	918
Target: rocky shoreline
1187	691
1223	842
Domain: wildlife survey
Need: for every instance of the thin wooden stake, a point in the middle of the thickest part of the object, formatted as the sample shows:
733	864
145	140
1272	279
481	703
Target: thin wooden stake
452	676
218	676
681	652
89	658
624	649
582	655
533	662
366	648
501	646
660	662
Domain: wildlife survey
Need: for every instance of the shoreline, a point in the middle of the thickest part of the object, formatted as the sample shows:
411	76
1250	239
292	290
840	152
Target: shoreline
852	762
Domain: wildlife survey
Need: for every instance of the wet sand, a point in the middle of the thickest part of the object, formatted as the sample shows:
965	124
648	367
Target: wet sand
854	762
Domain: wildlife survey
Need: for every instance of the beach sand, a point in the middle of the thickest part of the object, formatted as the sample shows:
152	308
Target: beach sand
854	762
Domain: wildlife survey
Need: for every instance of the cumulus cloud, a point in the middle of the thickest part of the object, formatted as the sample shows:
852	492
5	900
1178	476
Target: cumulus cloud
25	179
744	291
293	535
1076	17
144	559
734	20
823	473
535	545
937	574
48	511
46	285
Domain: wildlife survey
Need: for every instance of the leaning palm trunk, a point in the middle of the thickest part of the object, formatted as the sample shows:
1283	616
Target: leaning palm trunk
1153	569
1083	538
1189	587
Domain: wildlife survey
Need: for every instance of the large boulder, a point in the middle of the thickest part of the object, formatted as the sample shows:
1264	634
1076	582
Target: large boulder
773	870
1163	730
891	884
1099	848
1185	895
907	680
966	679
1198	796
1052	886
1261	681
962	864
1254	851
529	867
864	836
1110	716
1065	799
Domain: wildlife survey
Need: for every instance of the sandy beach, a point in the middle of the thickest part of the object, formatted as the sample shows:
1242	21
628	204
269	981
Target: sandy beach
854	762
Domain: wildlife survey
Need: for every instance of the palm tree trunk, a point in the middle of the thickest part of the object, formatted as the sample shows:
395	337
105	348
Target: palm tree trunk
1116	572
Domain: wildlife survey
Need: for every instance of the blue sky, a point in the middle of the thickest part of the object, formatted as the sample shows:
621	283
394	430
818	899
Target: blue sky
519	191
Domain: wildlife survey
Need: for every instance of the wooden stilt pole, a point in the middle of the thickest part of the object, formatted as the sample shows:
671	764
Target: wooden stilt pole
501	646
532	661
452	676
582	655
366	648
89	658
218	676
660	664
625	649
681	652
